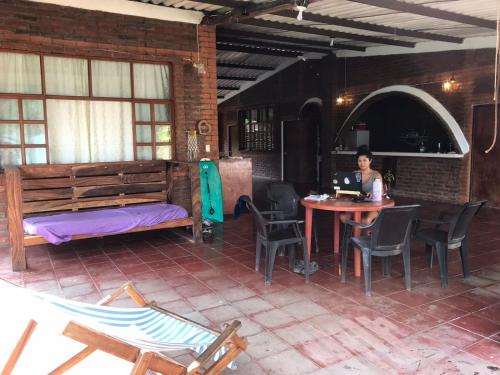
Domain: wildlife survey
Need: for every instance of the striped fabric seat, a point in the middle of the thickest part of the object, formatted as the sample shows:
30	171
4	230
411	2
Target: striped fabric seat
143	327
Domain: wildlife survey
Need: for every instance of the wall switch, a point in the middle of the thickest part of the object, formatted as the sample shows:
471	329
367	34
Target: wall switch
207	148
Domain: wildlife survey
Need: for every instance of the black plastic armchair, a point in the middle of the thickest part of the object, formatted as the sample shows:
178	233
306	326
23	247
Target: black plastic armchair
390	235
449	231
283	197
285	232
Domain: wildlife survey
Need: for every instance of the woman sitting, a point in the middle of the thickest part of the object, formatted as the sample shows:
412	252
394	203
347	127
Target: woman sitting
368	175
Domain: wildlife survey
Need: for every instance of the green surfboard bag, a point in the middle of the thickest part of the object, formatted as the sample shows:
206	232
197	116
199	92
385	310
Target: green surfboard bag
212	204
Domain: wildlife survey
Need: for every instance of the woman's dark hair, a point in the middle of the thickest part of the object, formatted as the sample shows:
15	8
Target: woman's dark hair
363	151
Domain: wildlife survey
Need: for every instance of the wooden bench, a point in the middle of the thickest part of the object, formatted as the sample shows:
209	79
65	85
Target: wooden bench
48	189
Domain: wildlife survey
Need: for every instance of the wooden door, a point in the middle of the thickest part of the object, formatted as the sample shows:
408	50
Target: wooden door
300	154
485	171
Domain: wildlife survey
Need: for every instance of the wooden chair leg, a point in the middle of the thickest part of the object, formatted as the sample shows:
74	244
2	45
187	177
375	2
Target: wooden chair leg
142	364
73	361
21	344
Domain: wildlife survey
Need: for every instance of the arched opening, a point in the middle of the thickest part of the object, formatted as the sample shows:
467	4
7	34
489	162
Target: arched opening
402	117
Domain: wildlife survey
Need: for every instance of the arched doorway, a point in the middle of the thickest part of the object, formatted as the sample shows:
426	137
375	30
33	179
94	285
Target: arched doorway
301	148
446	120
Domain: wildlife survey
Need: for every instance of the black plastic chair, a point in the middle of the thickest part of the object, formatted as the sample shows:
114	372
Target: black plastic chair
390	235
283	197
453	237
276	238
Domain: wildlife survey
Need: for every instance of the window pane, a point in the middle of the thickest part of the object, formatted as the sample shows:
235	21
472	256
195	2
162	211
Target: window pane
10	156
33	110
142	112
151	81
111	79
66	76
20	73
34	134
144	153
143	134
161	113
162	133
36	155
10	134
9	109
164	152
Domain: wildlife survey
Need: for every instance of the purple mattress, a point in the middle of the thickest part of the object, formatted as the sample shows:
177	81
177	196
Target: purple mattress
61	227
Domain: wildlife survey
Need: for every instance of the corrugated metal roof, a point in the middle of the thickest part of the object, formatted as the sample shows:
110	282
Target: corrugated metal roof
368	14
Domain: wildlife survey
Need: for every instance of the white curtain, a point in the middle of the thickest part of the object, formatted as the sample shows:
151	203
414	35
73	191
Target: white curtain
66	76
111	79
151	81
68	123
83	131
111	131
20	73
10	156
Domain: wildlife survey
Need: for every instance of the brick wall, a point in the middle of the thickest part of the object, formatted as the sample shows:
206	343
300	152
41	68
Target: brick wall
50	29
438	179
419	178
472	68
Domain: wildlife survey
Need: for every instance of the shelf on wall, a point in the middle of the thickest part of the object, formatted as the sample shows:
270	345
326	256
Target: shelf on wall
405	154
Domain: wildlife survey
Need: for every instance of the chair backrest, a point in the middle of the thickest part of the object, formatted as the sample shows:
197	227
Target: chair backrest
459	224
283	197
260	221
392	227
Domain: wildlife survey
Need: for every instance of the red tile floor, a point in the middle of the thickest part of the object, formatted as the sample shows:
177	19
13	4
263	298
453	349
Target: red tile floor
323	327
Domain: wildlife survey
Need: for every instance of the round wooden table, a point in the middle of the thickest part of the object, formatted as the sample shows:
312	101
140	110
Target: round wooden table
338	205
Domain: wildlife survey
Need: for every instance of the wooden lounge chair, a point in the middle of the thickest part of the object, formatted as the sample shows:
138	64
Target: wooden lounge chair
138	335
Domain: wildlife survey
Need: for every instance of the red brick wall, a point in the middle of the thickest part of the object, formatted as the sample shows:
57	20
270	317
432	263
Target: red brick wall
50	29
43	28
439	179
472	68
419	178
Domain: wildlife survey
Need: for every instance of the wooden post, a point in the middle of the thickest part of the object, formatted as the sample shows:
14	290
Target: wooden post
194	171
16	353
13	189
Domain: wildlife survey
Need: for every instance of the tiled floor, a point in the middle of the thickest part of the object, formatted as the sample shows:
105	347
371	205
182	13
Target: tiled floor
324	327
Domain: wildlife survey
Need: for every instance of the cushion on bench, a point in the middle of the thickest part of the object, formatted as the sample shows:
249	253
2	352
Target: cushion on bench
61	227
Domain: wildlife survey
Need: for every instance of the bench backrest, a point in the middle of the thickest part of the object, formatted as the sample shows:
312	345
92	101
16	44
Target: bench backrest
73	187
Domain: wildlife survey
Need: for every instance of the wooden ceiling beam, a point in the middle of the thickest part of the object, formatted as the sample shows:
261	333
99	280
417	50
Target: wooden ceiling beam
426	11
236	78
222	64
286	39
324	32
247	10
308	16
256	50
258	43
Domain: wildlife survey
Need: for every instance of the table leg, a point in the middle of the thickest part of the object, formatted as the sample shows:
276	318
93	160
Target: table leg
357	252
309	212
336	232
